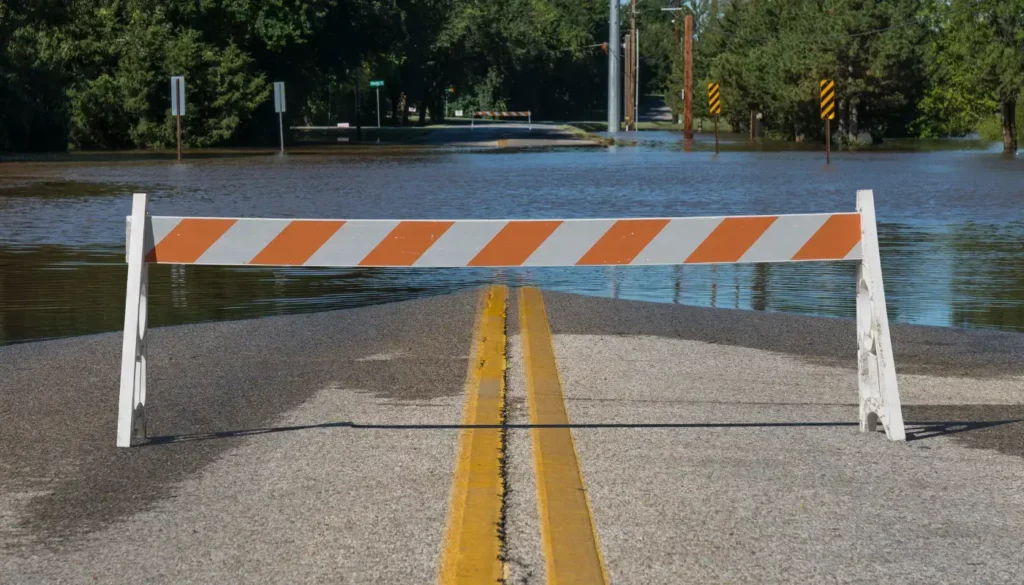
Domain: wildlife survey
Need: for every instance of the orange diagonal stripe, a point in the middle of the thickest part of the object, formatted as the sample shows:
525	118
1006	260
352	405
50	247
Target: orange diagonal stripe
297	242
623	241
188	240
731	239
833	240
406	243
514	243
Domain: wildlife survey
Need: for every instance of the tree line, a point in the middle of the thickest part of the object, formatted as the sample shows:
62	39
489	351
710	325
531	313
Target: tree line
95	73
923	68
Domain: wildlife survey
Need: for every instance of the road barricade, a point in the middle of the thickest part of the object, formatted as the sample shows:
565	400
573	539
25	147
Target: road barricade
493	114
511	243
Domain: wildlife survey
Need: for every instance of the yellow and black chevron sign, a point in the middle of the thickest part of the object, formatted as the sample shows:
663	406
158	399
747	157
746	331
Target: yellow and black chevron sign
714	99
828	99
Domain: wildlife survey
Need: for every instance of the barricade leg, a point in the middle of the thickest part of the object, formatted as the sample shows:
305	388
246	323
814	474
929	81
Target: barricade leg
472	120
131	414
529	120
879	394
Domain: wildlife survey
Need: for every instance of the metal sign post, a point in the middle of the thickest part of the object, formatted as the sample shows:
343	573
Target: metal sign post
828	113
178	104
378	83
279	107
715	107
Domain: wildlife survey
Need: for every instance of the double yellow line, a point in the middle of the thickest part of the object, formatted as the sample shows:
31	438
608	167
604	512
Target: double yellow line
473	542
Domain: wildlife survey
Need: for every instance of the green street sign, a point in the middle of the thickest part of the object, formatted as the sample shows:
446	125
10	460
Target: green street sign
377	83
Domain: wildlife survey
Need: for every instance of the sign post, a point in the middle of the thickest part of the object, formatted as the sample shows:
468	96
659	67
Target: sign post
279	107
378	83
715	107
828	113
178	104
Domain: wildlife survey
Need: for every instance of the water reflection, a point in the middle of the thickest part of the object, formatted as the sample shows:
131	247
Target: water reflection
969	276
952	235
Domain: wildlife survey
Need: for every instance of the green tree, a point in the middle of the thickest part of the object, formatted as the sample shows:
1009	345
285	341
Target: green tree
981	57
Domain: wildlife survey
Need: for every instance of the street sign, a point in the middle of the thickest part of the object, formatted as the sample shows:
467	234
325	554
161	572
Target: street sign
178	96
828	112
714	99
828	99
377	83
279	105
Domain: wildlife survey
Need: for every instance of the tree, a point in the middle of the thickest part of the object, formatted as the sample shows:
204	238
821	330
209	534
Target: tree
981	53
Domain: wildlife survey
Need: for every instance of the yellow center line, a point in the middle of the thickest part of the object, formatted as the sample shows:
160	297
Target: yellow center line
571	549
472	545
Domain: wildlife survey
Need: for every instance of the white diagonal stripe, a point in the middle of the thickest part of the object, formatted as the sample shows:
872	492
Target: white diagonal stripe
352	242
243	241
163	226
675	243
569	242
461	243
857	253
784	238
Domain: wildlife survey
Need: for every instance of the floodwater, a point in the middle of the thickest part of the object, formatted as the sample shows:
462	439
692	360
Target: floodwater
951	228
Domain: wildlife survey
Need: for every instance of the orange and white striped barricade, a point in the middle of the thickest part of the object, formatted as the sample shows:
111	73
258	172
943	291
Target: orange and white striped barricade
494	114
510	243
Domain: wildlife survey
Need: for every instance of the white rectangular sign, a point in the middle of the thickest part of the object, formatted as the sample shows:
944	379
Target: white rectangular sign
279	96
178	96
458	113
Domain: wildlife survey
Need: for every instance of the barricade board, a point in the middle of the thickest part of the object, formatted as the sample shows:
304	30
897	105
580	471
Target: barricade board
848	236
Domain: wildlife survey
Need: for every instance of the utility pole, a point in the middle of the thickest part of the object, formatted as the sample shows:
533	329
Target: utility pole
634	64
627	82
688	81
636	105
614	66
359	123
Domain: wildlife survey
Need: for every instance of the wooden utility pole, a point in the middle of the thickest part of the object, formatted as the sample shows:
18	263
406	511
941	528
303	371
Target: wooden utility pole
688	81
635	64
359	122
627	83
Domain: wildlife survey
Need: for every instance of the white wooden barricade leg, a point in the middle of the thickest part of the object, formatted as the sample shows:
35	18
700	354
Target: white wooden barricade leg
131	411
529	120
879	394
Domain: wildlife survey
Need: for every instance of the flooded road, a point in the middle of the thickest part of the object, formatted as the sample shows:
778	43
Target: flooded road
951	229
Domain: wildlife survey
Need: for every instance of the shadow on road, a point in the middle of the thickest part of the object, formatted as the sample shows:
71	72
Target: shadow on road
915	431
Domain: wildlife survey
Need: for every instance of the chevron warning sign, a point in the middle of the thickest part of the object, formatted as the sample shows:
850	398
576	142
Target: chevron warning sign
828	99
714	99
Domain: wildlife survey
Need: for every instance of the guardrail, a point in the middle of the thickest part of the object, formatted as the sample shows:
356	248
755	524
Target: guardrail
494	114
510	243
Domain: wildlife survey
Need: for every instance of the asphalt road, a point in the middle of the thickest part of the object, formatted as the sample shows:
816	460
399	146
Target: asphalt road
295	449
506	134
716	446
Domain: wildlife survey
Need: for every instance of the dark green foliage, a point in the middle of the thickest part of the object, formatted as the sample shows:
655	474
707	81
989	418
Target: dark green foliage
95	73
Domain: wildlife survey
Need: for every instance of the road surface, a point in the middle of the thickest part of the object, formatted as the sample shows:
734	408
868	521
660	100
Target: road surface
516	434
